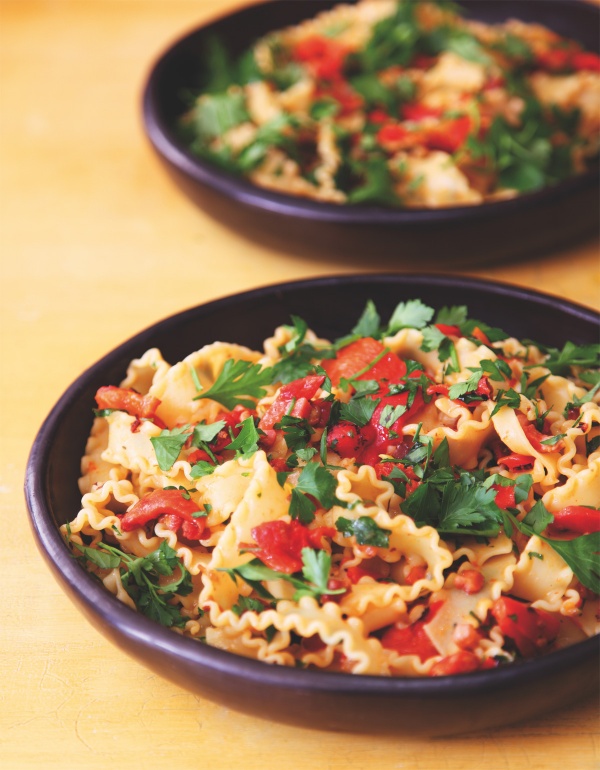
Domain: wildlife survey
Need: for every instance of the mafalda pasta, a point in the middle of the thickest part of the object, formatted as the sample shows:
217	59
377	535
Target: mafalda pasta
401	104
417	498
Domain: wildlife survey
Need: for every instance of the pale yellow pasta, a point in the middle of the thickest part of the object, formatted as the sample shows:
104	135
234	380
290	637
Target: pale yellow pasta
394	531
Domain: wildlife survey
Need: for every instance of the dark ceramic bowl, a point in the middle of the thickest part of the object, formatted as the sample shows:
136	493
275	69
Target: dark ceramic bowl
335	701
532	223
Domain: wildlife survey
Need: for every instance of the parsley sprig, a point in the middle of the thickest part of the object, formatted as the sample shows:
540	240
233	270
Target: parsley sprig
581	553
239	382
315	576
141	578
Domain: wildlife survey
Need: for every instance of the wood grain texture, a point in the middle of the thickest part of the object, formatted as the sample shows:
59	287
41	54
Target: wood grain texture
96	244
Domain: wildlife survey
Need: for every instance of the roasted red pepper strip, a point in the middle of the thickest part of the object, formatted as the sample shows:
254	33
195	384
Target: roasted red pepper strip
128	400
161	501
578	519
352	359
530	629
449	329
514	461
535	438
292	399
413	640
280	543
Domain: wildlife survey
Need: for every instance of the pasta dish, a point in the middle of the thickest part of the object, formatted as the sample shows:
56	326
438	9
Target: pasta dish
399	104
417	498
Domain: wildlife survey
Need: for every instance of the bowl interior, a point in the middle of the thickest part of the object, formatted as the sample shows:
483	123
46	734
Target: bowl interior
331	306
546	219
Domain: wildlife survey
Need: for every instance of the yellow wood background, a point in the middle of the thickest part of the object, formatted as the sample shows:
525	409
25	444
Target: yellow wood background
97	243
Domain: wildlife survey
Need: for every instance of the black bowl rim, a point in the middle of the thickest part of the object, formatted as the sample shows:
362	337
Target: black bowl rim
139	630
162	137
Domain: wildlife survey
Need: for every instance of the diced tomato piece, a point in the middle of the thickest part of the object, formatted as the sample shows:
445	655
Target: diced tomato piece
483	387
413	639
530	629
471	581
505	496
128	400
192	530
237	415
514	461
280	543
293	398
320	409
161	501
462	662
278	464
578	519
466	636
345	439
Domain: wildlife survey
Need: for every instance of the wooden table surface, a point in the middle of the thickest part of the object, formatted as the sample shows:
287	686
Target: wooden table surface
96	244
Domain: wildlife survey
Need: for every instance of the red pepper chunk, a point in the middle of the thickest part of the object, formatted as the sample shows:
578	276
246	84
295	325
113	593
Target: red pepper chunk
128	400
280	543
324	55
387	369
535	438
450	135
343	93
462	662
352	359
530	629
449	329
514	461
505	496
417	112
294	399
157	503
578	519
585	61
413	639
